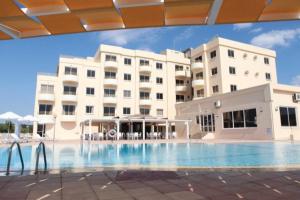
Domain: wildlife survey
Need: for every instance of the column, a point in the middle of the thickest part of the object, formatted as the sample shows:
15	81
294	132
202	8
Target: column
90	129
187	130
167	129
118	129
144	131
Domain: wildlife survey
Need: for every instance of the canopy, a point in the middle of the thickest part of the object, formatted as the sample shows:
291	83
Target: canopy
28	119
10	116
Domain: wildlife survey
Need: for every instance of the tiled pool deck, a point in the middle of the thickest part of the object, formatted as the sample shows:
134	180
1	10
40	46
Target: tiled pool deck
155	185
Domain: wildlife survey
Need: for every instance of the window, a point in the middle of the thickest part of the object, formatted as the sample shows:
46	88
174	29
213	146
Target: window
109	92
199	75
159	80
230	53
215	89
110	58
232	70
90	91
266	61
127	77
144	78
200	93
127	93
233	88
159	66
207	122
179	98
250	118
178	68
144	111
91	73
144	95
89	109
288	116
268	76
126	111
214	71
179	82
47	89
109	111
197	119
144	63
159	112
45	109
198	59
71	71
240	119
213	54
127	61
69	90
110	75
159	96
68	110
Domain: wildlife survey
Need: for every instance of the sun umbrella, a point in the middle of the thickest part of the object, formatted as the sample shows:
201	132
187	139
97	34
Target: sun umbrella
11	116
28	119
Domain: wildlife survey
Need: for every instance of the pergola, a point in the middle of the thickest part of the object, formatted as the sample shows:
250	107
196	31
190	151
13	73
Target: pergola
132	119
30	18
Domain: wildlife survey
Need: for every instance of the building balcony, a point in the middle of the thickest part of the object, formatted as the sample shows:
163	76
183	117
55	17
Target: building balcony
68	118
46	97
197	66
145	68
110	65
182	73
69	98
198	83
181	88
70	78
45	119
145	102
110	81
146	85
110	99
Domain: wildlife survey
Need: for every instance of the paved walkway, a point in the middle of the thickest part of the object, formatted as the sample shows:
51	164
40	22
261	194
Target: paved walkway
154	185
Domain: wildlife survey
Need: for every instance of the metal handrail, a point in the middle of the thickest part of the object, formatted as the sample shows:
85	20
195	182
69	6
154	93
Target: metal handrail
10	154
38	151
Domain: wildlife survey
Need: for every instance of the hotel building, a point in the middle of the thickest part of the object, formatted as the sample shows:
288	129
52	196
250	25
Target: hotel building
222	89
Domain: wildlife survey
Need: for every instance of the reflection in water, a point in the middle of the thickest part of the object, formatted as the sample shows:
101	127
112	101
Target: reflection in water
84	155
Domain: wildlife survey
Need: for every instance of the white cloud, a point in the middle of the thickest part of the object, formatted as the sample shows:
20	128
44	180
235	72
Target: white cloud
241	26
276	38
296	80
185	34
124	37
256	30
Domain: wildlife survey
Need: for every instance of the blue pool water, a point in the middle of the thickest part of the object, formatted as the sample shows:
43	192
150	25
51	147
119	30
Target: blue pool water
61	156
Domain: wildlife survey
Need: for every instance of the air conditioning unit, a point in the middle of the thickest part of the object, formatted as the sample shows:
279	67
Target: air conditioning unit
296	97
218	104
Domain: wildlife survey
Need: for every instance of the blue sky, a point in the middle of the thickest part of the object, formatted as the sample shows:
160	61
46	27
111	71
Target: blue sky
22	59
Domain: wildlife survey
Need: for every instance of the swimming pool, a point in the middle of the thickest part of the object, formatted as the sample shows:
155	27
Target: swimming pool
160	155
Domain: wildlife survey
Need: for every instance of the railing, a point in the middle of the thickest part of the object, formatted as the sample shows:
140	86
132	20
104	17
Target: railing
10	154
38	151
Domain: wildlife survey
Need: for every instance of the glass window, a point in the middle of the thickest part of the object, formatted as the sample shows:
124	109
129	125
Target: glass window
89	109
227	120
110	75
179	82
47	89
127	93
268	76
109	92
144	95
159	80
213	54
199	76
214	71
288	116
90	91
91	73
109	111
144	111
215	89
144	78
127	61
238	117
233	88
69	90
126	111
178	68
127	77
292	116
68	110
45	109
160	112
159	95
198	59
110	58
179	98
266	61
159	66
200	93
71	71
230	53
250	118
144	63
232	70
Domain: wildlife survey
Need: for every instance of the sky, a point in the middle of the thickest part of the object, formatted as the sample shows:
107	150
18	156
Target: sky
22	59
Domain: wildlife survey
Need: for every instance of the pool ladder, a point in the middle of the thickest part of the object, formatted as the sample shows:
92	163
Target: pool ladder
40	147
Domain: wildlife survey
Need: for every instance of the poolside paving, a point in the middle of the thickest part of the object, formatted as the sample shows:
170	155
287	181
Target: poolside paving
154	185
